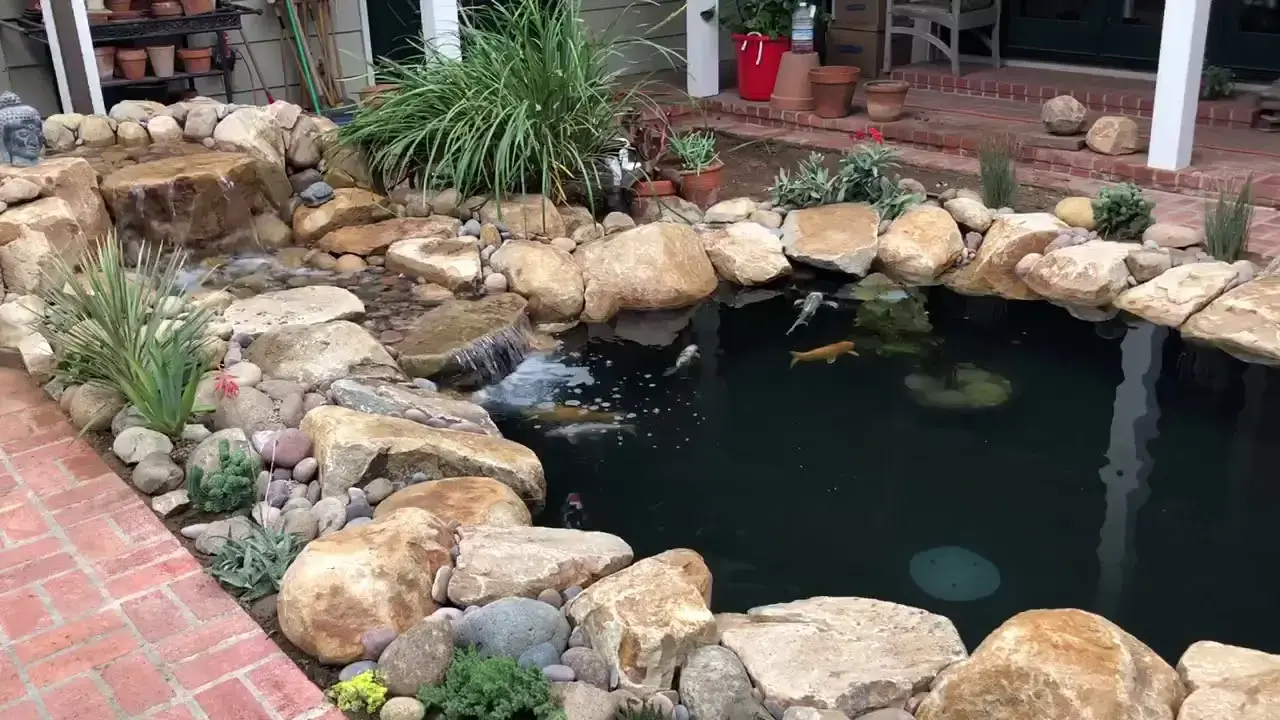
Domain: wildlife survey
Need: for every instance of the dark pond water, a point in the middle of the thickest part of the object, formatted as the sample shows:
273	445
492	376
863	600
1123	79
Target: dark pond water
1109	467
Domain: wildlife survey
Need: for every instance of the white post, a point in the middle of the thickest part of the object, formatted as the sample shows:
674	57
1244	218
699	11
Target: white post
702	47
67	28
440	26
1173	122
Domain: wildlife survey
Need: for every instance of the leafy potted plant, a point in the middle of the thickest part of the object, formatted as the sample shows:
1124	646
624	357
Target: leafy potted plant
700	166
648	139
761	34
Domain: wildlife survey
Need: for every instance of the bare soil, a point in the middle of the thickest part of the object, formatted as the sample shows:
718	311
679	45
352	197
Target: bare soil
752	165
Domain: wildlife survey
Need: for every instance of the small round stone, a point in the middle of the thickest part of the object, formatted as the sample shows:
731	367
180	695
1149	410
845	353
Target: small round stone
349	264
550	597
541	655
558	673
357	522
359	510
452	613
588	665
390	337
418	477
424	384
662	705
682	712
403	708
375	641
440	586
578	638
244	340
355	668
415	415
495	283
305	470
572	592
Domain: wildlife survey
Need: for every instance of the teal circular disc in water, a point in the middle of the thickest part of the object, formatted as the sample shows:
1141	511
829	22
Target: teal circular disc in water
954	574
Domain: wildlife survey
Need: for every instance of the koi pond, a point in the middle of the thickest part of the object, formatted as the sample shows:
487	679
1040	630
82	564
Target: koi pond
976	458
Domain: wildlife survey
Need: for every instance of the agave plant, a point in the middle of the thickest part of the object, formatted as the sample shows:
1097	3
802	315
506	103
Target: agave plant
533	105
110	325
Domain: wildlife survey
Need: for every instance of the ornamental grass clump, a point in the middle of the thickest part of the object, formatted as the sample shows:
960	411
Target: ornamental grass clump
534	105
1120	212
997	159
114	326
494	688
696	150
228	487
251	568
1227	221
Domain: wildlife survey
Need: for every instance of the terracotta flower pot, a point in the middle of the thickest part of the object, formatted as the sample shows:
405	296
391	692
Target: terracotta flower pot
166	9
126	15
161	57
98	17
702	187
119	5
106	57
649	193
833	89
885	99
196	60
198	7
370	95
132	62
792	91
141	5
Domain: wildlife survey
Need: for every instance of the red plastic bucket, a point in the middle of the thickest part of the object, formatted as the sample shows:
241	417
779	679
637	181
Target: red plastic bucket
758	60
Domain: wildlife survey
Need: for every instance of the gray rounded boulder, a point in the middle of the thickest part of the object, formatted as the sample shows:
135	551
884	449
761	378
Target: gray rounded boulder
510	626
712	680
419	656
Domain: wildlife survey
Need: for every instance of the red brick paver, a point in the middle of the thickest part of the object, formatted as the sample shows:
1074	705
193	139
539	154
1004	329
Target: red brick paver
103	614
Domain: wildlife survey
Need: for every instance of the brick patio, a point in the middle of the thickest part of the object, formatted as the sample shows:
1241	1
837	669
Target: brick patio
103	613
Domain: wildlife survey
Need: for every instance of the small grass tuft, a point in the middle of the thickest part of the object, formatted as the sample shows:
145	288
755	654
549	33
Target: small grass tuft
696	150
1227	220
997	163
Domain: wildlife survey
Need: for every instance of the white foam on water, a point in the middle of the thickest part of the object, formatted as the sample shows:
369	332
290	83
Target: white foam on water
539	379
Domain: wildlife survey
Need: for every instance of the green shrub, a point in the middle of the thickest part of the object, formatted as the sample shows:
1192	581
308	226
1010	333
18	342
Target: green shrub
533	105
696	150
1121	213
863	176
771	18
104	327
251	568
1217	82
365	692
997	159
1227	221
495	688
228	488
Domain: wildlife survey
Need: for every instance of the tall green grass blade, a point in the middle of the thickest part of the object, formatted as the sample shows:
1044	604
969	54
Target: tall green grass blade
997	158
1227	221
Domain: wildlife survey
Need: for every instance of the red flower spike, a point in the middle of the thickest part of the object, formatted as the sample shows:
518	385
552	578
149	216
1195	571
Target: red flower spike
225	385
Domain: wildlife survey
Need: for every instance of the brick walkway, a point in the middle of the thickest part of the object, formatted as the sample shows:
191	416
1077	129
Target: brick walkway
103	613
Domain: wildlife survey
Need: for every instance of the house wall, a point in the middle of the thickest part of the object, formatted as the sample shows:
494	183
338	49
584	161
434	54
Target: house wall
626	18
24	65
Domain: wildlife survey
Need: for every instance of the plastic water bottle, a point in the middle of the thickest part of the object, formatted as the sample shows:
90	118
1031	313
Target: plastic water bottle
802	28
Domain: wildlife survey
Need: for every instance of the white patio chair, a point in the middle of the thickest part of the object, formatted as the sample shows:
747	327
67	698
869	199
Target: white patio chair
956	15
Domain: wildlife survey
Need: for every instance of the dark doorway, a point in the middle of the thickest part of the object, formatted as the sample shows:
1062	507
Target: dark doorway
395	28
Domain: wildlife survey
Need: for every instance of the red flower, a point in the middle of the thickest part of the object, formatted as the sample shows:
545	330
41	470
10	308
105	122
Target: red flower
876	135
859	135
225	385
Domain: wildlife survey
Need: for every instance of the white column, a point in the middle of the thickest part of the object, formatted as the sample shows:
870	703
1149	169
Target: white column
70	44
702	47
440	25
1173	123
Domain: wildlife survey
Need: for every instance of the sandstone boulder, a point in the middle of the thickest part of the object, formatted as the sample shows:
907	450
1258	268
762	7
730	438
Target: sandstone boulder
75	181
97	131
462	500
52	217
920	245
647	618
1114	135
195	200
1007	241
745	253
525	216
970	213
313	354
93	407
26	260
545	276
352	447
384	398
849	654
652	267
730	211
1091	274
309	305
1244	321
452	262
376	575
1229	683
1177	294
1063	115
1056	665
1171	235
1146	265
445	337
136	110
254	132
376	238
1076	212
164	130
712	681
498	562
840	237
349	206
307	141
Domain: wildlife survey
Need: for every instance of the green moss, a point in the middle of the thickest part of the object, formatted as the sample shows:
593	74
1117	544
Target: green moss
364	692
494	688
